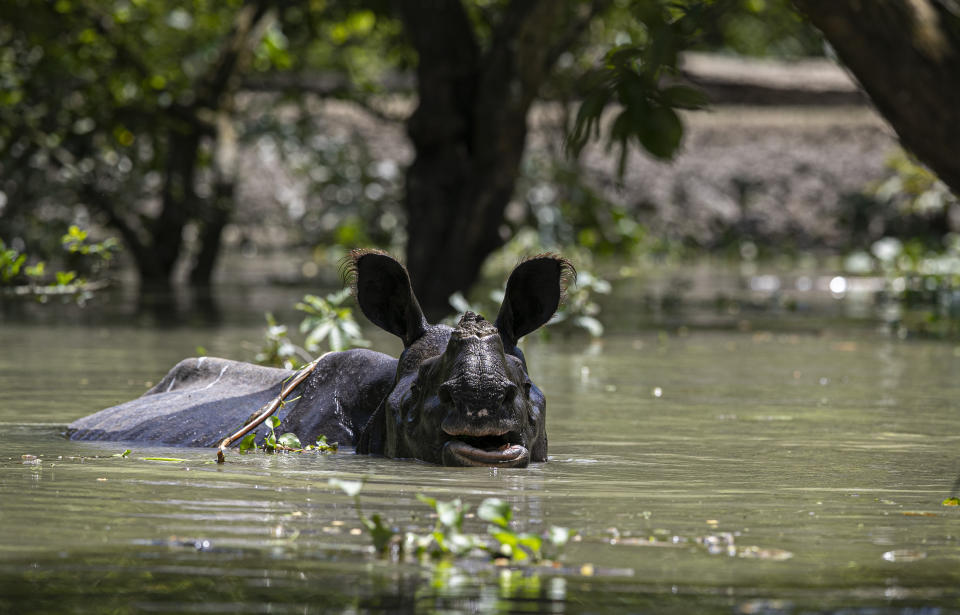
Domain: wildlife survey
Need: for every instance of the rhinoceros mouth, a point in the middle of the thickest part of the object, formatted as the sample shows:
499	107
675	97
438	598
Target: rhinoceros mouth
485	452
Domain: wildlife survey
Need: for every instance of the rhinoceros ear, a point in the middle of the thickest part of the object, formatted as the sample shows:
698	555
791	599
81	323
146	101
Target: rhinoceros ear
385	295
534	292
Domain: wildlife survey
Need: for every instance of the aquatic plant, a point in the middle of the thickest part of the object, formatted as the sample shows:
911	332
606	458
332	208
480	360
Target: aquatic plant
448	539
286	442
268	411
278	350
327	319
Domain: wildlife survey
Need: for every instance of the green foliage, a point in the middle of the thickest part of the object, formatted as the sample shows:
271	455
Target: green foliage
951	502
322	446
270	441
93	93
11	261
566	210
759	28
579	309
913	188
639	74
278	350
327	320
75	242
286	442
39	281
448	539
248	444
351	196
290	441
634	76
919	261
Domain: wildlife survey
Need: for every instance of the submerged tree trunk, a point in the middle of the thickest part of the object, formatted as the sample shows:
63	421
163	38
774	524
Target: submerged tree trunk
469	131
157	244
179	200
906	55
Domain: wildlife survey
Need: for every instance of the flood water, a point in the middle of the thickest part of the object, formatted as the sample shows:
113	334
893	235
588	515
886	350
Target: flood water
775	469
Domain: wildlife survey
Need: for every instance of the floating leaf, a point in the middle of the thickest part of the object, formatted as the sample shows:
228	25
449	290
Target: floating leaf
495	511
450	514
951	502
379	532
350	487
289	440
248	443
532	542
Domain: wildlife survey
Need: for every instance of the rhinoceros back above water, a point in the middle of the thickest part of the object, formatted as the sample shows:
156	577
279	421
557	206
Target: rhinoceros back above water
457	396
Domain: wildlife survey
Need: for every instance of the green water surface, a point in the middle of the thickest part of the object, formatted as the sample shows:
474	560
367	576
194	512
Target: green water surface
706	471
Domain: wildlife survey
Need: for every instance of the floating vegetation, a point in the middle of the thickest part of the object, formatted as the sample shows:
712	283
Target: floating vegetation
447	539
287	441
327	320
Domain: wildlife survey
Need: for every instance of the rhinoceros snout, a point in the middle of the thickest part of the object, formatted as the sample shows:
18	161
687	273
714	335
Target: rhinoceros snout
482	411
489	394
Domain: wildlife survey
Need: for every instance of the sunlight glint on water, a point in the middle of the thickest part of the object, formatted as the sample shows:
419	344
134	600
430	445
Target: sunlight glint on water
707	471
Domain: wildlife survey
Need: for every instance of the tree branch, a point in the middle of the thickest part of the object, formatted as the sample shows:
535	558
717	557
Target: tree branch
247	27
101	202
574	30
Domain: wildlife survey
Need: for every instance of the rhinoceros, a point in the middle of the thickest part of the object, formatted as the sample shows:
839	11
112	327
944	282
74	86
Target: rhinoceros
456	396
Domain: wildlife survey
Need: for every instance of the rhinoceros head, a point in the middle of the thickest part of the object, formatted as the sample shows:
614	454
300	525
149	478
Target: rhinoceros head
462	396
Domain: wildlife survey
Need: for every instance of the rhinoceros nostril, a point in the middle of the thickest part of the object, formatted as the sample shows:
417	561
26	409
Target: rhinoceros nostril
445	393
509	394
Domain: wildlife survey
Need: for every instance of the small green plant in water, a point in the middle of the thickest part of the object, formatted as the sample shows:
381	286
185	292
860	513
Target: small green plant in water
278	350
951	502
327	320
447	539
288	441
380	532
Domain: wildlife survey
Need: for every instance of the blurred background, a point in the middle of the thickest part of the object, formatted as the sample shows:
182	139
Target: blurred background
722	155
753	383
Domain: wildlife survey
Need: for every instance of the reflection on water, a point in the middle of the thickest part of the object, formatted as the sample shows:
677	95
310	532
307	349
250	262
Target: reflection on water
748	471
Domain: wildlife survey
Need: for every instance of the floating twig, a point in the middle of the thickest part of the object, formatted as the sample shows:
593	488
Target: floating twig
270	408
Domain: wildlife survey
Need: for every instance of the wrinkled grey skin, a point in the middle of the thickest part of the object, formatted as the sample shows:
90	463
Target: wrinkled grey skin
203	400
456	396
460	400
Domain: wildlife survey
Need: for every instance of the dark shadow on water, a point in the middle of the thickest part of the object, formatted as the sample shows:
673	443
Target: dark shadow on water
172	306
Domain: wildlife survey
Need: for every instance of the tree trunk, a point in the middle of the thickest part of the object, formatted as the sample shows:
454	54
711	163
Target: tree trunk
179	199
214	213
215	219
469	132
906	55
